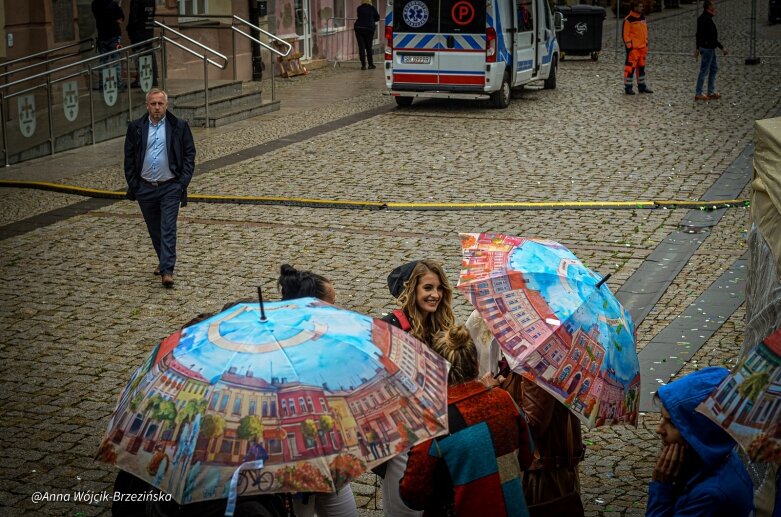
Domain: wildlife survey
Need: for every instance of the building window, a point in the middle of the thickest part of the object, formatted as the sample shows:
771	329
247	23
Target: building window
292	404
187	7
224	402
339	13
302	405
273	410
215	398
252	407
265	408
284	408
310	405
323	407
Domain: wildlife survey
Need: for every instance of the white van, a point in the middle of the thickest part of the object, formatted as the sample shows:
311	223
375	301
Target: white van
468	49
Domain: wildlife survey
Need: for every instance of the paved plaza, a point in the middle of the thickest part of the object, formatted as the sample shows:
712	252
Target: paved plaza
81	308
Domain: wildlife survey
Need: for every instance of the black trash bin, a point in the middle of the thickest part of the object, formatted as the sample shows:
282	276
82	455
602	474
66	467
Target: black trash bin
582	32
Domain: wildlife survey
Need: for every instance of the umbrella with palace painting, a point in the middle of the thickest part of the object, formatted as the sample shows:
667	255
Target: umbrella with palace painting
557	322
747	403
294	396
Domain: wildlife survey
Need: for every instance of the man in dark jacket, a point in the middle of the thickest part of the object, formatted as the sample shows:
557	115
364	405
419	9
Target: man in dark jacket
107	15
698	471
159	164
364	26
140	27
707	43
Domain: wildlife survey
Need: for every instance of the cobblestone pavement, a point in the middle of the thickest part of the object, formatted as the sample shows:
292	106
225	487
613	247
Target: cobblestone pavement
81	308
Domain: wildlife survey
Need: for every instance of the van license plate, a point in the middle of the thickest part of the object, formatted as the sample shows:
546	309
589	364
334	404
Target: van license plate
416	60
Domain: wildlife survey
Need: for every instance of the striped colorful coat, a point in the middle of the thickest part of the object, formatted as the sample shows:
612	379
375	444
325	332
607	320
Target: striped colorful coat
476	469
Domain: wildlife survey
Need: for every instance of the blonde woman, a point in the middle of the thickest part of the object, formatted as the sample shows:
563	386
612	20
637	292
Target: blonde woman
476	468
424	296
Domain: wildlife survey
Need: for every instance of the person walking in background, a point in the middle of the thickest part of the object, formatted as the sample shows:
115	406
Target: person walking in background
707	42
140	27
108	15
159	164
698	471
636	42
365	26
475	469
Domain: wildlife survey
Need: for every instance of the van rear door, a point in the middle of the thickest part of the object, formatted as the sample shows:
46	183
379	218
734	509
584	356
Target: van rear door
415	40
525	55
462	57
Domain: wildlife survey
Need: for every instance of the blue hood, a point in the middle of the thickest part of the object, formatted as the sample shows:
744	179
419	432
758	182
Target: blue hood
680	398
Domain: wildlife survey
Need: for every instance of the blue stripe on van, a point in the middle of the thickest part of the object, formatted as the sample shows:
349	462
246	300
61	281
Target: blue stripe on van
424	42
406	40
473	42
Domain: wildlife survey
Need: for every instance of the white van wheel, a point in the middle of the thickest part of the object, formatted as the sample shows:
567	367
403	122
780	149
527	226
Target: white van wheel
550	82
501	98
403	102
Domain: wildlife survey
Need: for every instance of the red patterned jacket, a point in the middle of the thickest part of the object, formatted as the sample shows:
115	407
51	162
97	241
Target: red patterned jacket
475	470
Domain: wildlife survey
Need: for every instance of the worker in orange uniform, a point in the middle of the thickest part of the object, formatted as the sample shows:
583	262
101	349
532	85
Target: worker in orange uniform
636	42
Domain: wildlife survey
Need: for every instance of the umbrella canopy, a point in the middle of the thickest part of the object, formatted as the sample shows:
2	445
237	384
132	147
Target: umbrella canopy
747	403
313	393
557	323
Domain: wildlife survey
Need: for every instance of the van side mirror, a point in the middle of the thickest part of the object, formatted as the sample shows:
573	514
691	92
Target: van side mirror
558	21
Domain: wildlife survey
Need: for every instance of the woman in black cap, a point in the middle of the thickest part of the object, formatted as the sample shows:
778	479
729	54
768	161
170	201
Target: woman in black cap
425	296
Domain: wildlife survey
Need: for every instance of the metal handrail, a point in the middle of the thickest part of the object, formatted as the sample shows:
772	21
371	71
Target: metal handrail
264	45
266	33
81	62
206	60
46	52
165	27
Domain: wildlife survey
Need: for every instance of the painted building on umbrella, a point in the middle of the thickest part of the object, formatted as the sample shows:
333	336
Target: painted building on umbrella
305	418
580	366
233	399
737	410
610	392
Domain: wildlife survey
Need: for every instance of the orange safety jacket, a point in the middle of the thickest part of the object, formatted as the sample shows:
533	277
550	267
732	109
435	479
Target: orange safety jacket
635	30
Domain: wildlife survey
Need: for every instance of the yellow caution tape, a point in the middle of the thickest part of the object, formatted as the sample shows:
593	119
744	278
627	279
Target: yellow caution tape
378	205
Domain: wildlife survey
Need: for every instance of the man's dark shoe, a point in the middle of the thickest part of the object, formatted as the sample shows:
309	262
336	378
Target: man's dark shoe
646	90
363	67
157	271
168	280
372	67
629	92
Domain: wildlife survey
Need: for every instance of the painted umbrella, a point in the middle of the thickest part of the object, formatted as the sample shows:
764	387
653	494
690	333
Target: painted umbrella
747	403
294	396
557	323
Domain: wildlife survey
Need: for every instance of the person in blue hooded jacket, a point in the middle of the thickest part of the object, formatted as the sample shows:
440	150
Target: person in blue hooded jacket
698	471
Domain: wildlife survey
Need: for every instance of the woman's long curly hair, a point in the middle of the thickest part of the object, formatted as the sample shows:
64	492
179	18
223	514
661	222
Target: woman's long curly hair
424	325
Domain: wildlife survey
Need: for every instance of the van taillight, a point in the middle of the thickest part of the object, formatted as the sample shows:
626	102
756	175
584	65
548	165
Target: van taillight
388	42
490	45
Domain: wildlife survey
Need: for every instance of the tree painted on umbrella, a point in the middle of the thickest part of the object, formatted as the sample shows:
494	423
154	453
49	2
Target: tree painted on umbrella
309	430
754	385
250	428
326	423
187	415
212	427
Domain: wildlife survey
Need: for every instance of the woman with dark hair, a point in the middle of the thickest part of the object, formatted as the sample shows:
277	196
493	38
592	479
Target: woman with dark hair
476	468
294	284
